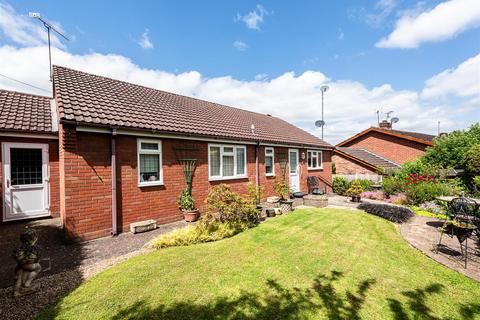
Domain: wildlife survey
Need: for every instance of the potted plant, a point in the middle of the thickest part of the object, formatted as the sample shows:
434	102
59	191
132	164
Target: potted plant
283	191
186	203
355	190
255	194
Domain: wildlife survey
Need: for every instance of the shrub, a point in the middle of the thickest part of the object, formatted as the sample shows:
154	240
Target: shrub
355	188
392	185
399	199
186	201
366	184
282	189
393	213
227	214
426	213
472	160
340	185
225	205
254	193
424	191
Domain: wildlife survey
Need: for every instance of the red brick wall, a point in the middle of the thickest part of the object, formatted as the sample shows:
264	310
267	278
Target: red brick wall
87	205
393	148
54	170
345	165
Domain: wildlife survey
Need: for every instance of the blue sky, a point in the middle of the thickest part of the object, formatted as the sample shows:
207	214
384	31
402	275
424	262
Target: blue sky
238	46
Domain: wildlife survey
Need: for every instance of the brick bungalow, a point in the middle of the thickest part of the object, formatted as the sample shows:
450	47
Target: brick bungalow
378	149
115	157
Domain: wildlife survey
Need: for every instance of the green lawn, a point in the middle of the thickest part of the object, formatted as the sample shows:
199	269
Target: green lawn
310	264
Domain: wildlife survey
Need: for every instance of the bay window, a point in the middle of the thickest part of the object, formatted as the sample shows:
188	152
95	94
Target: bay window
226	162
149	162
269	162
314	159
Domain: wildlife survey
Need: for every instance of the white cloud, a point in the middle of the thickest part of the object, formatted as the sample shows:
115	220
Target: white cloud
254	18
144	41
240	45
463	81
443	22
383	9
341	35
24	30
349	105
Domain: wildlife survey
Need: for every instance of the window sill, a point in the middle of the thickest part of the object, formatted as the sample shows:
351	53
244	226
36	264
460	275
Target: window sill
315	169
270	175
227	178
150	184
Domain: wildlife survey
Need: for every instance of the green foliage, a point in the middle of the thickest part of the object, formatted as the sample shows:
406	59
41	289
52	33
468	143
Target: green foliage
450	151
392	185
255	193
425	213
282	189
472	158
340	185
366	184
476	181
186	201
227	206
227	214
355	188
334	168
426	191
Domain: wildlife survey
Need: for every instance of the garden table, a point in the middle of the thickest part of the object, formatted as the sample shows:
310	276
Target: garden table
448	199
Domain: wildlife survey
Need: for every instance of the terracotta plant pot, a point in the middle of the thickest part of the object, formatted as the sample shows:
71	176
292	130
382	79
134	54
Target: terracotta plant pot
191	216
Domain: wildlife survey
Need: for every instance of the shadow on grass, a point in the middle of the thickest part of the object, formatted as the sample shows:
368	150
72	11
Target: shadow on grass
277	302
416	305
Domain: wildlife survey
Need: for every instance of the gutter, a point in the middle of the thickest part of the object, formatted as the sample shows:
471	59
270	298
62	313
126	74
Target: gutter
114	184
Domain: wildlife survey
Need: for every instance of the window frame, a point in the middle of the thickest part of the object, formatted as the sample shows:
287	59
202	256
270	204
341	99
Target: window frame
158	152
272	155
319	156
235	169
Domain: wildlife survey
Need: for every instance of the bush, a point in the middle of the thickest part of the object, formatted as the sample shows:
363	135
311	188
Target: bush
186	201
340	185
427	210
422	191
472	160
366	184
392	185
282	189
379	195
227	214
355	188
254	193
392	213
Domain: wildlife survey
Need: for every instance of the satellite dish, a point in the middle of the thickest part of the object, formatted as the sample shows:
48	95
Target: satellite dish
395	120
319	123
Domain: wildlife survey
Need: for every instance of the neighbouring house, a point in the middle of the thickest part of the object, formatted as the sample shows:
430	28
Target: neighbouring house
116	156
376	150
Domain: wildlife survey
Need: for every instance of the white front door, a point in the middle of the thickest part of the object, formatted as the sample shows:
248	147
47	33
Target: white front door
25	181
294	174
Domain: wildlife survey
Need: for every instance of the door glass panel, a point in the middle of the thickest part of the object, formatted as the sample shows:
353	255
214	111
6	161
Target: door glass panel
26	166
293	162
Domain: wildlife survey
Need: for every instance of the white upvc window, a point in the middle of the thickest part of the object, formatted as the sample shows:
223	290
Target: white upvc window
314	159
227	162
149	162
269	161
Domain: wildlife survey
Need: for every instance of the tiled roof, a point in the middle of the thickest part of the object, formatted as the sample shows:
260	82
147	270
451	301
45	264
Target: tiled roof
418	135
99	101
369	158
24	112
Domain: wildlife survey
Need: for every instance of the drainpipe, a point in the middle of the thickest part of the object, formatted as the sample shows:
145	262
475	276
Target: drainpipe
257	173
114	185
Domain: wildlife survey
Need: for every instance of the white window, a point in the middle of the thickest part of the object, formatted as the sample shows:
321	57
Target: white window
314	159
269	162
226	162
149	163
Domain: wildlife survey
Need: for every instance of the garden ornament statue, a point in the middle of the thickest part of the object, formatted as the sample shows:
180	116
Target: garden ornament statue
28	263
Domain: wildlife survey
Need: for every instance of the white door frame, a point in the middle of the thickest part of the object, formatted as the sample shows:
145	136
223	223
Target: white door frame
297	175
7	187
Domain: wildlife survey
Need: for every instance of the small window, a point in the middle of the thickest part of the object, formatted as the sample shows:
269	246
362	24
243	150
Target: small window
227	162
314	160
149	163
269	162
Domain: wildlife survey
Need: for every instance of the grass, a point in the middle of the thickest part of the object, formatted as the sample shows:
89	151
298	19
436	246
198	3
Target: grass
309	264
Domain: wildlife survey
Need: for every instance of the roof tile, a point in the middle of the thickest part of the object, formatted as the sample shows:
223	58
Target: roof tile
91	99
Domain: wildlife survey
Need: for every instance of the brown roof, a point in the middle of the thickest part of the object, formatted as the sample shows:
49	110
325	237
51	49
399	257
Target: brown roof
99	101
368	157
422	138
24	112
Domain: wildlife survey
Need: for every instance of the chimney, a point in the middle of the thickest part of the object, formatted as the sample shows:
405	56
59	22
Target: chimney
385	125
